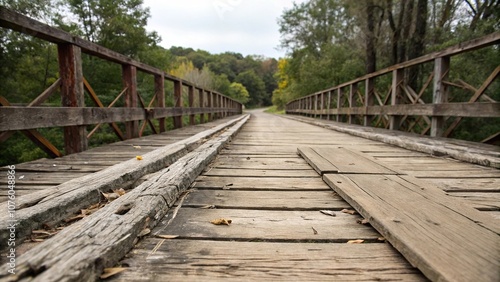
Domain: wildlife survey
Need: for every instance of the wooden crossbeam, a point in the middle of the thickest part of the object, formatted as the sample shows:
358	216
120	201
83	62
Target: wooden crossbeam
147	120
35	136
98	102
474	98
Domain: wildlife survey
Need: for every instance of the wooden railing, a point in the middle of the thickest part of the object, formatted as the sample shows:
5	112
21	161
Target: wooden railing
75	116
367	101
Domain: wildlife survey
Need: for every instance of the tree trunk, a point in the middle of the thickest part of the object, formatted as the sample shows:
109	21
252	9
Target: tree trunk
371	54
417	41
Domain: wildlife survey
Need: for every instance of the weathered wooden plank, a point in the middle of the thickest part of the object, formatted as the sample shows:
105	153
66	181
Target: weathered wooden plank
267	225
244	261
456	174
467	184
481	201
236	162
307	173
261	183
81	251
56	203
265	200
341	160
435	233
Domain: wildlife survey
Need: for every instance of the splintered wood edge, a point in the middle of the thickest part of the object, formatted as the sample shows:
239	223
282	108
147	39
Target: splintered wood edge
307	152
117	233
56	203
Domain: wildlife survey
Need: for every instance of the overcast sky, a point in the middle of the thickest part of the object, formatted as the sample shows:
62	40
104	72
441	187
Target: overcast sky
248	27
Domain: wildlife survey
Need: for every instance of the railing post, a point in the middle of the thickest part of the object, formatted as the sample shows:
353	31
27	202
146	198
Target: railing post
339	99
160	98
369	92
397	80
315	101
72	94
129	75
191	103
328	104
352	89
178	103
311	108
210	98
440	93
201	100
322	104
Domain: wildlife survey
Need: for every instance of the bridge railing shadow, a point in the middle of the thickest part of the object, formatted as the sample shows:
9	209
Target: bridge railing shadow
189	102
390	98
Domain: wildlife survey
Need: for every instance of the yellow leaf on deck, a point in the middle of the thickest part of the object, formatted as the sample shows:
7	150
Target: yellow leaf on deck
139	158
221	221
120	191
355	241
351	212
108	272
168	237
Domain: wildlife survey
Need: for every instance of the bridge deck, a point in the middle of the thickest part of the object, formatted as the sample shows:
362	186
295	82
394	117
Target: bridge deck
273	198
46	173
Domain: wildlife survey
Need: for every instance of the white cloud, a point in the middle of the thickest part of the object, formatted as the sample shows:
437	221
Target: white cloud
243	26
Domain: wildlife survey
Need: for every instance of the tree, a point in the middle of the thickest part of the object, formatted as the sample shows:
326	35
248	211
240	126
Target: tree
118	25
238	92
255	86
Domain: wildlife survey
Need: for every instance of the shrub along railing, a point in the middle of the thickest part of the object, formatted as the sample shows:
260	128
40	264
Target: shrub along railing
360	101
74	116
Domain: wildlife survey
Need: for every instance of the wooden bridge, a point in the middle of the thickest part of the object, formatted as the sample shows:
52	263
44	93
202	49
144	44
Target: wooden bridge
313	195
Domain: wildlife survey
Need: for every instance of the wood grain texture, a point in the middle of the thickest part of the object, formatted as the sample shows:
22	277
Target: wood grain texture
434	232
261	183
82	250
266	200
181	260
342	160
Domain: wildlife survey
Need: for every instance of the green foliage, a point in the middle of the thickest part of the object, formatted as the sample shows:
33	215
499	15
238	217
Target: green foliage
275	110
238	92
255	86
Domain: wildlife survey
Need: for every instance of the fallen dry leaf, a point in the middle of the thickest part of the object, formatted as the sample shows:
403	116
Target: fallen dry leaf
108	272
168	237
139	158
74	218
144	232
221	221
208	207
363	221
330	213
382	239
120	192
355	241
137	147
351	212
